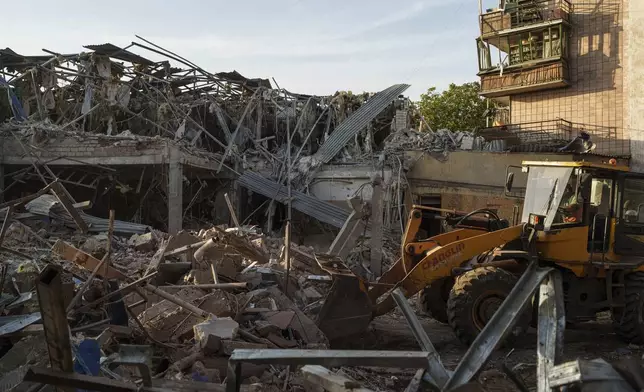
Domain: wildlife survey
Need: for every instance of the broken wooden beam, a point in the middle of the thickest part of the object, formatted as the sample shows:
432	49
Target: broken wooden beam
232	211
84	260
353	227
158	257
54	318
5	224
61	194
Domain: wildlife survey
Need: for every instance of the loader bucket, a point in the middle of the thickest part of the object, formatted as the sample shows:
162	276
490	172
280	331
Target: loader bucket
347	309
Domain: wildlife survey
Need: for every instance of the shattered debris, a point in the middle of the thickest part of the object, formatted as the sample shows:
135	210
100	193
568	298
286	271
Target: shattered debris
164	297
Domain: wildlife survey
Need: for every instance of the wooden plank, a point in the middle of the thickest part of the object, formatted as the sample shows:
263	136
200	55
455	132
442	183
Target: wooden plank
84	260
30	330
60	193
54	318
353	227
5	224
232	211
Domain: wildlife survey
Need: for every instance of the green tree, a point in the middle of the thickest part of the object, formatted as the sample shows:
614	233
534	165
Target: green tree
459	108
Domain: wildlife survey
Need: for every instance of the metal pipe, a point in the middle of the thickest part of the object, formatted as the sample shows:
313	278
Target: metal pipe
211	286
435	367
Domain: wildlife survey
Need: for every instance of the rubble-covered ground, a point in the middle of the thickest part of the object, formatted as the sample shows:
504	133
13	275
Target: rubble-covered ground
189	346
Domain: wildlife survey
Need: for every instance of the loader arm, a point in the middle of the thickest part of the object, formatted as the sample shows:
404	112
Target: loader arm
442	259
411	250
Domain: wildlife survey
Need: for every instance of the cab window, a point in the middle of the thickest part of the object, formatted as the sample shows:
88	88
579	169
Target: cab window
633	201
570	207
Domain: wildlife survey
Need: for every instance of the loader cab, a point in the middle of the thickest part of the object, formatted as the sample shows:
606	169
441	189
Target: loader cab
597	209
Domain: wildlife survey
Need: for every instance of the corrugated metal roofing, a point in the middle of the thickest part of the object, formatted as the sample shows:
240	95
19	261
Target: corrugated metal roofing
48	205
309	205
358	121
119	53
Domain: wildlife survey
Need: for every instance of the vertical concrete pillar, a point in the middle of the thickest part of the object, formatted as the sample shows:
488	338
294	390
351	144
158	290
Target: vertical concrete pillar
175	193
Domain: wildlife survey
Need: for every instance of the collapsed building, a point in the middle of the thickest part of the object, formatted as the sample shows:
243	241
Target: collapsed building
165	145
169	146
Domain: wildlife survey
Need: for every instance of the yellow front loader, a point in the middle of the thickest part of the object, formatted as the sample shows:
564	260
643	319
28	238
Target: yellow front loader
585	219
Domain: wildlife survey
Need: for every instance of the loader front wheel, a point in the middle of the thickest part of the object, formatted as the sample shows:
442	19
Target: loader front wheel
629	320
475	297
433	299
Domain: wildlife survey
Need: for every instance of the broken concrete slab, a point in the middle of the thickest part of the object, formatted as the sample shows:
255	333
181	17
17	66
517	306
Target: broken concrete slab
96	245
222	328
280	341
143	242
307	330
210	345
311	294
264	328
280	319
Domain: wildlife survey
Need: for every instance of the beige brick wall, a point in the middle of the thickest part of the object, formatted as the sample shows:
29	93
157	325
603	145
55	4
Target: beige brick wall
596	61
634	78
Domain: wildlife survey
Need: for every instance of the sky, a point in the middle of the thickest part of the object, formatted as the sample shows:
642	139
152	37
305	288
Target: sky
308	46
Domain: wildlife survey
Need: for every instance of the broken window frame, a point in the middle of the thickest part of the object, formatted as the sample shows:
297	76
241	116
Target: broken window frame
528	54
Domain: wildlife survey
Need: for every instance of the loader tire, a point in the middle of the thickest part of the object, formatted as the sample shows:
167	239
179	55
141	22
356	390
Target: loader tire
629	321
433	299
475	297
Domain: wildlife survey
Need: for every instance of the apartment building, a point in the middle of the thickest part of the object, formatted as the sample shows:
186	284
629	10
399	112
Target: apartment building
580	61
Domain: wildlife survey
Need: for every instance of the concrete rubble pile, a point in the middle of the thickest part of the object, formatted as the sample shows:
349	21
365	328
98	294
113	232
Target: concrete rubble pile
440	143
191	298
182	312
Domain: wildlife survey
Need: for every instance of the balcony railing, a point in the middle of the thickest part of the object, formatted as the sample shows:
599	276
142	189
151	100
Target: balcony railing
521	13
522	80
551	135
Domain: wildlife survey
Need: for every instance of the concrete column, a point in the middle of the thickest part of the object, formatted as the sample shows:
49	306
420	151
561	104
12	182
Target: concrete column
175	194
